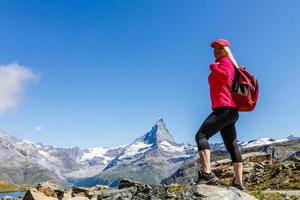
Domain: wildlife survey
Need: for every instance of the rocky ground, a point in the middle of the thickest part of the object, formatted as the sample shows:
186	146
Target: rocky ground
136	191
264	177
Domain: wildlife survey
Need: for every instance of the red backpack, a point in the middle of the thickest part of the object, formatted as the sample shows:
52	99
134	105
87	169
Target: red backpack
244	89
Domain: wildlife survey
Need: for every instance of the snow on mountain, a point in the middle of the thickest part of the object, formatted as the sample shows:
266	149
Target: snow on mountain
171	148
261	141
135	149
252	143
148	159
292	137
158	138
96	152
64	162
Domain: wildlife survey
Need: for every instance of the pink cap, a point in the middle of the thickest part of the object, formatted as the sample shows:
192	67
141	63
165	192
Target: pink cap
222	42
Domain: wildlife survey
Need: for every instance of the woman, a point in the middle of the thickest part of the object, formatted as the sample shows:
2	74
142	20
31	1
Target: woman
223	118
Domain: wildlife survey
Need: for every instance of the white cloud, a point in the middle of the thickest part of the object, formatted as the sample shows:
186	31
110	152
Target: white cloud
38	128
13	81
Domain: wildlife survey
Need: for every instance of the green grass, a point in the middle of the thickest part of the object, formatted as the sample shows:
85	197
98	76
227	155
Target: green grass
262	196
9	187
271	196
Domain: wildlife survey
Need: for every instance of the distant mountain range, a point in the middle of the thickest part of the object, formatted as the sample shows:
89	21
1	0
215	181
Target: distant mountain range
149	159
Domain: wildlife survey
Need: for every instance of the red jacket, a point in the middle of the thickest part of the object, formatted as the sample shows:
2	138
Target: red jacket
222	73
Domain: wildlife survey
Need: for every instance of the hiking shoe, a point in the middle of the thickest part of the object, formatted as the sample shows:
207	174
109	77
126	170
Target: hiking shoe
207	178
238	186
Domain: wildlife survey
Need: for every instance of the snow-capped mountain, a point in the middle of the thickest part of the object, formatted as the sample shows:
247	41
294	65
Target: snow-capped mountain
158	139
57	164
253	143
261	141
148	159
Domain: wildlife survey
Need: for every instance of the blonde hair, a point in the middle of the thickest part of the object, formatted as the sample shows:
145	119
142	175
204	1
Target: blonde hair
230	55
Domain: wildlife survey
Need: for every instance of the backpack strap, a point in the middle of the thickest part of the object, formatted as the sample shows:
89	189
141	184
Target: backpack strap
234	86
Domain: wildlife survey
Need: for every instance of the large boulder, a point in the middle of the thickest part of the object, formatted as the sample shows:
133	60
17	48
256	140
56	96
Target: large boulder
45	190
49	189
34	194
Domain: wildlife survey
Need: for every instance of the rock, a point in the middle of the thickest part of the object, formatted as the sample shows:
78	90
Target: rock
50	190
216	193
98	190
125	183
67	194
247	170
285	165
7	198
78	198
297	166
124	194
228	174
80	192
34	194
258	166
47	189
140	188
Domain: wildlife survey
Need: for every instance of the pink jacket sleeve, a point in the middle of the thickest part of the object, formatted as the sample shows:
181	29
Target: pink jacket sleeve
222	69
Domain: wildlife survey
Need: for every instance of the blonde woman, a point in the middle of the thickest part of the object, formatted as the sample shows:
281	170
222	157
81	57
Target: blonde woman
223	118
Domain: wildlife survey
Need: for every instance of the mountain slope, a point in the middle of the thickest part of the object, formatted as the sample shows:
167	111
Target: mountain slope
25	162
148	159
277	151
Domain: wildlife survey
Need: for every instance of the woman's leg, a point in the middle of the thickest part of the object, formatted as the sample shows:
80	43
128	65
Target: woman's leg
205	160
238	173
211	125
228	134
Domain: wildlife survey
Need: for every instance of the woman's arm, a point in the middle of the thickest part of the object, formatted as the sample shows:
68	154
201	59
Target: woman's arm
222	70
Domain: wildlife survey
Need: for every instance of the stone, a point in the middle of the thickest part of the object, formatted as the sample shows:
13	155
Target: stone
121	194
125	183
80	192
216	193
258	166
34	194
47	189
78	198
67	194
97	190
139	187
7	198
50	190
247	170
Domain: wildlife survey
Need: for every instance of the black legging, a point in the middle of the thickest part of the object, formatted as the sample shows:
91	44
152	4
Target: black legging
221	119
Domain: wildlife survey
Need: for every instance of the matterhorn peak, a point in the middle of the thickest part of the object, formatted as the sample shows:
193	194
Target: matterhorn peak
158	134
160	123
162	133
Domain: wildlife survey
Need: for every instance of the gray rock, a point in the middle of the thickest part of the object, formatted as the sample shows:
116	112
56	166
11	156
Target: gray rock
80	192
258	166
123	194
216	193
78	198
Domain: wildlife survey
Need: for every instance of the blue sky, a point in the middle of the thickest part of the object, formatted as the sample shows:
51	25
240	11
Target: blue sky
99	73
